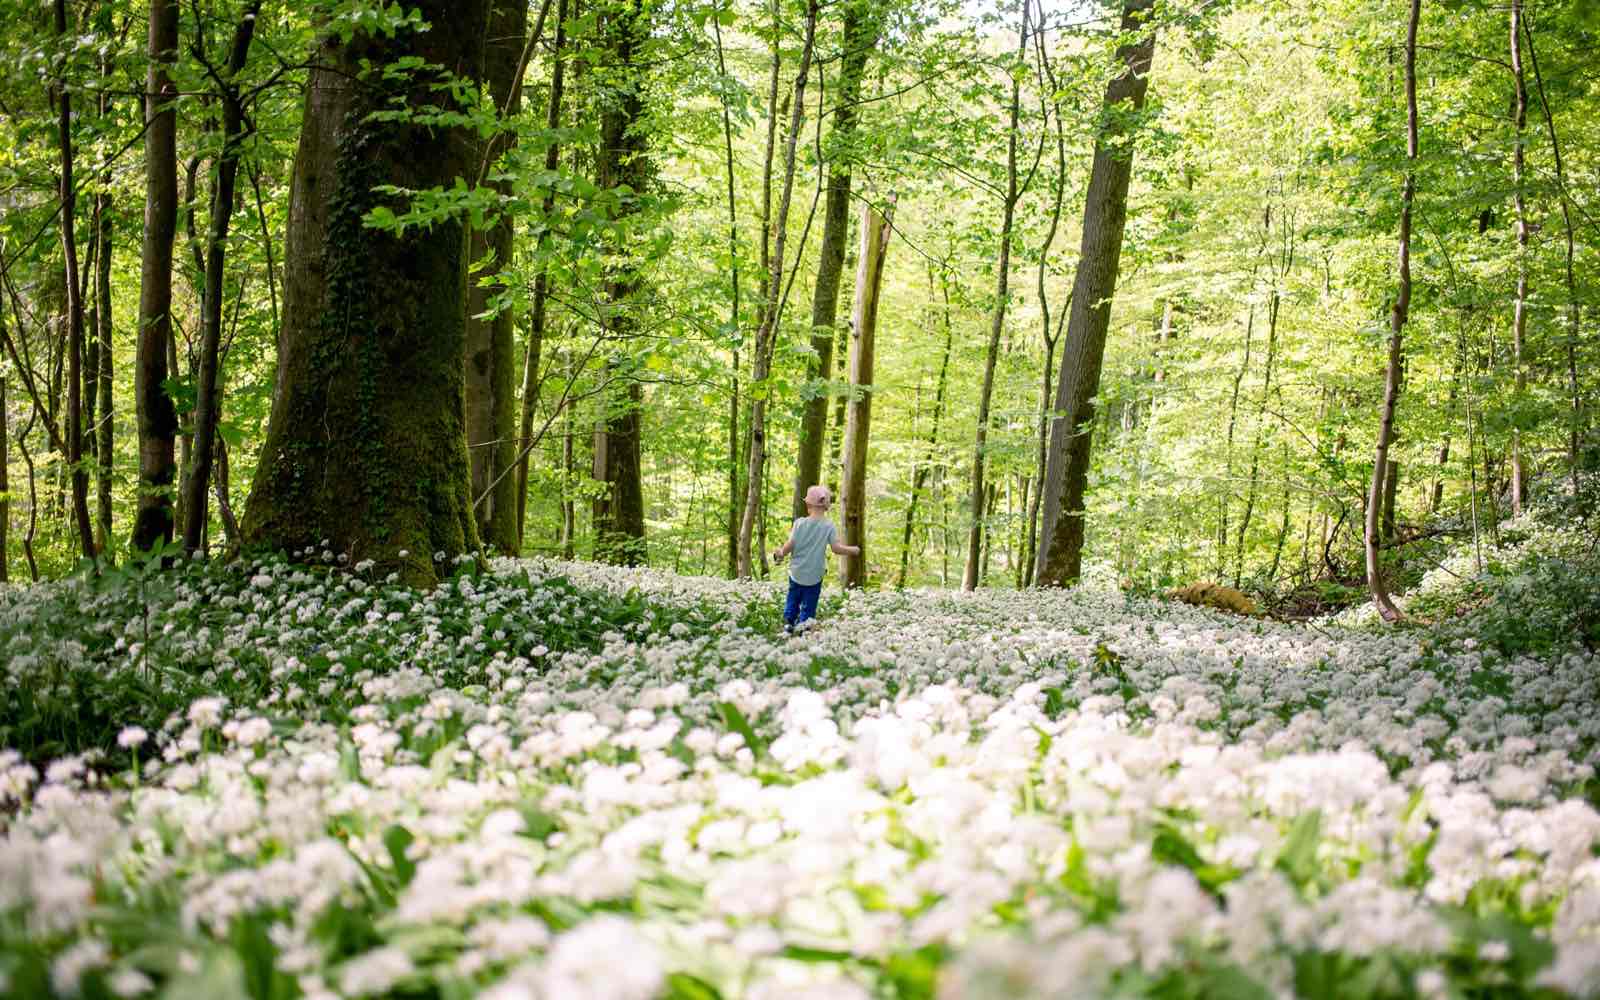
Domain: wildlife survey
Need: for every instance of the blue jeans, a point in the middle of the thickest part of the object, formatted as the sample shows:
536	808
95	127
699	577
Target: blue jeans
802	603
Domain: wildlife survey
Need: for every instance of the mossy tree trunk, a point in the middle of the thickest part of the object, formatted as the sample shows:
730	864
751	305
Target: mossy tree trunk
366	447
491	347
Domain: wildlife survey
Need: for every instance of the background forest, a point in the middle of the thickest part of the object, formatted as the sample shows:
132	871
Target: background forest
718	249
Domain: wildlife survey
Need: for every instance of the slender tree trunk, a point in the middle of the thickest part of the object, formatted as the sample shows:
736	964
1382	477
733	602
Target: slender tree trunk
221	485
208	402
734	509
1274	306
920	476
69	247
1519	316
1225	494
537	320
103	427
766	334
491	333
372	344
1397	322
1105	213
5	481
836	434
1436	497
875	229
997	322
1048	334
1573	309
860	32
1387	527
157	419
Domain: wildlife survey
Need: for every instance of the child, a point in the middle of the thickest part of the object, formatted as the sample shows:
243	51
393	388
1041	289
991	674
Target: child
809	536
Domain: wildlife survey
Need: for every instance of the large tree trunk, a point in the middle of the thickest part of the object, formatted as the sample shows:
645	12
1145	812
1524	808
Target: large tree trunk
621	161
766	333
1397	322
1060	558
860	34
491	342
208	403
69	246
997	323
1519	314
875	230
366	449
157	418
541	282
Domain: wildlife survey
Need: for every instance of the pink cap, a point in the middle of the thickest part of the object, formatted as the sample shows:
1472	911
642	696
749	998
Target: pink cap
817	496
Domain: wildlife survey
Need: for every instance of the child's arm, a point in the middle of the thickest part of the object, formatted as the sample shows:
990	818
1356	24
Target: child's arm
780	554
841	549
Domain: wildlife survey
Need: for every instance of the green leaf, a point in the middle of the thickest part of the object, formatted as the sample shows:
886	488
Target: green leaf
1298	860
735	722
397	838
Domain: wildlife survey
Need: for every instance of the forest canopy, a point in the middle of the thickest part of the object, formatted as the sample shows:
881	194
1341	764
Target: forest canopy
591	278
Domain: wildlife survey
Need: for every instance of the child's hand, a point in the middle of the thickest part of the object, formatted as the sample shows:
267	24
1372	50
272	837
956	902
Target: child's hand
777	555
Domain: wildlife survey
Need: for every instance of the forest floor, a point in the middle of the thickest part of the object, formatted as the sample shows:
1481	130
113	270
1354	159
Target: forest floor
281	781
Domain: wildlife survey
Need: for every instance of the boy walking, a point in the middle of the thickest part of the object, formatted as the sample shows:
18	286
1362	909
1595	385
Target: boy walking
808	539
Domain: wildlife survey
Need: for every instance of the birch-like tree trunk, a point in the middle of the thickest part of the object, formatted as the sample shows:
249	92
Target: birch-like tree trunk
875	229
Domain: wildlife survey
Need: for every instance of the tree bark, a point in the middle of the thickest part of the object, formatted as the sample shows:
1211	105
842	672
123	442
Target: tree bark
860	34
491	339
541	283
875	229
766	334
208	402
1519	314
732	521
997	323
1060	558
366	448
103	427
69	247
1397	322
622	162
157	418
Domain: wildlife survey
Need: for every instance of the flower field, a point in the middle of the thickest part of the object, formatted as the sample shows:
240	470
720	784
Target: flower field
550	780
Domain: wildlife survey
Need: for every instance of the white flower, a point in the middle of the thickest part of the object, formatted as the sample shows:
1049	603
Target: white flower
131	736
375	972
